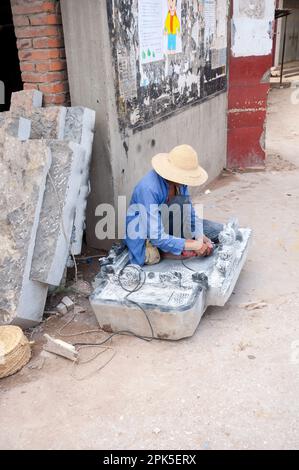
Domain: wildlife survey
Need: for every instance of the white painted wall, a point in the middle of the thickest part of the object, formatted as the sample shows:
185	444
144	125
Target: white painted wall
252	27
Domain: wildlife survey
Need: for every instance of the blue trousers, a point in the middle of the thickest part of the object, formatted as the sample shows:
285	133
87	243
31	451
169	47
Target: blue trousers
210	229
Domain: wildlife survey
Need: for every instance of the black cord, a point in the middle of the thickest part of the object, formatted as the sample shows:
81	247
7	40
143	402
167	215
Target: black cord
138	286
188	267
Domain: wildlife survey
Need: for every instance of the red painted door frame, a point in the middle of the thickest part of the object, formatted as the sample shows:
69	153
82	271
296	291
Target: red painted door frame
247	105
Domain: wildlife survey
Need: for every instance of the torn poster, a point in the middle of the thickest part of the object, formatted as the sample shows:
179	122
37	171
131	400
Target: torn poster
150	27
210	22
221	25
252	8
159	25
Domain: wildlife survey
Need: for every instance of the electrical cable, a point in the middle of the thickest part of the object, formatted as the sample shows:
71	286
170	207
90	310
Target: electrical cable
188	267
140	283
138	286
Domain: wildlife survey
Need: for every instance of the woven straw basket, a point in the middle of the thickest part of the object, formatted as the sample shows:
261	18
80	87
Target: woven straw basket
15	350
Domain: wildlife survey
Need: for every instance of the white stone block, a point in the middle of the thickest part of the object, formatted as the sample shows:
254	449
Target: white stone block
79	128
68	303
173	296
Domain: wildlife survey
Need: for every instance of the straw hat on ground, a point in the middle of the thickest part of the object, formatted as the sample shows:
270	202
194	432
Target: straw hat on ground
180	166
15	350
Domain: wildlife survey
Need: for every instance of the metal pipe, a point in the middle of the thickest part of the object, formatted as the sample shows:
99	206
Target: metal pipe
283	48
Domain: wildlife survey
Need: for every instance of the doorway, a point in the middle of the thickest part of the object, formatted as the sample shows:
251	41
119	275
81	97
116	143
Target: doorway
10	73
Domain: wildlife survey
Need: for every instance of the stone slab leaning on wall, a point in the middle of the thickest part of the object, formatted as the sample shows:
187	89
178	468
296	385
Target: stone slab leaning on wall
57	214
73	124
79	128
45	162
23	182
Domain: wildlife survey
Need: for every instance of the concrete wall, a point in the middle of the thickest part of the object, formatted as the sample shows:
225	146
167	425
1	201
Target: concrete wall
121	157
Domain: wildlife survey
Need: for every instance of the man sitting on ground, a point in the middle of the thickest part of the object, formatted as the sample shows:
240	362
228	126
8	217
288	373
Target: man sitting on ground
149	233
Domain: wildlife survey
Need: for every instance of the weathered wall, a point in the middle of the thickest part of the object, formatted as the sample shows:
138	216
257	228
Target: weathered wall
123	147
152	87
250	60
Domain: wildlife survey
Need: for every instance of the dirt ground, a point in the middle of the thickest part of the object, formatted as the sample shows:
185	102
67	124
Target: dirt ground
233	385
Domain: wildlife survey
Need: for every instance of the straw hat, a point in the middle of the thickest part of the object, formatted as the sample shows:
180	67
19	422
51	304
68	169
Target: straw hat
15	350
180	166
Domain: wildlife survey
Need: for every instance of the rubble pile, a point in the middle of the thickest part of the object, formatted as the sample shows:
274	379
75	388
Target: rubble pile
45	156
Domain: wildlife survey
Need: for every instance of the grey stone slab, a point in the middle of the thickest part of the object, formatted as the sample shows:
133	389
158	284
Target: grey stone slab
79	128
23	167
15	127
75	124
46	123
173	295
57	213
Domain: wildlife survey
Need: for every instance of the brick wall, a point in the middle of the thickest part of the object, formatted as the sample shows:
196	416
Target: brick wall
40	43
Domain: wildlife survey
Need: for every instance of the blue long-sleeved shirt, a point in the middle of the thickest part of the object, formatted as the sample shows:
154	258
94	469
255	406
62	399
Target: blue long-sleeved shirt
144	219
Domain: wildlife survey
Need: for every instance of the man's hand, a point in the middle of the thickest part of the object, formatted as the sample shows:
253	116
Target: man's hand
202	247
199	246
209	244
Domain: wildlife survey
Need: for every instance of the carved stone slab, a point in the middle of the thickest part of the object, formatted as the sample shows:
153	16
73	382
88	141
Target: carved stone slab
57	213
79	128
173	295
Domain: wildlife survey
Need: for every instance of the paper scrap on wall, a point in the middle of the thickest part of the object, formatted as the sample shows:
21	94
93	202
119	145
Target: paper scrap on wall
150	28
210	22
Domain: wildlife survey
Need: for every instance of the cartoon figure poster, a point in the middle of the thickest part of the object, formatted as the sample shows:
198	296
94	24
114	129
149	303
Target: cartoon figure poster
172	26
159	27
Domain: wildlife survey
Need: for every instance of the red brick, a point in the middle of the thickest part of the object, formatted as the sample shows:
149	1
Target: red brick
42	66
56	65
59	87
38	54
51	66
35	77
62	53
21	20
45	19
20	7
37	31
56	99
27	66
48	43
30	86
24	43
